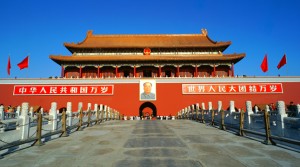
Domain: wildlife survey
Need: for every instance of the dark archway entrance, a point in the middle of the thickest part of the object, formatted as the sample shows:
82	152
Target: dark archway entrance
148	105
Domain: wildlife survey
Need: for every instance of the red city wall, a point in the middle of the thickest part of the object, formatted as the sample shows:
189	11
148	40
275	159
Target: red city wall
169	98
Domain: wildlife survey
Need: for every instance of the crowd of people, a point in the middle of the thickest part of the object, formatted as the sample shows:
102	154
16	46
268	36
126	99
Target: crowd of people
9	108
291	108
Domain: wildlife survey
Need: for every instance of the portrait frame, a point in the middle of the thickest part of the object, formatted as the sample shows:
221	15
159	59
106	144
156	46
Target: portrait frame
153	90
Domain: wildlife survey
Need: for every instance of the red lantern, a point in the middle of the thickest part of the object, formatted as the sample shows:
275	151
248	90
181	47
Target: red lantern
147	51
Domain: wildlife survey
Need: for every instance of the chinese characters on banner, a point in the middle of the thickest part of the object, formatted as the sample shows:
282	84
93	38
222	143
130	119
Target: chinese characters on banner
63	90
245	88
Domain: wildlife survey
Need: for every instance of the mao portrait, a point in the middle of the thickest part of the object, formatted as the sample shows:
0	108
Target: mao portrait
147	90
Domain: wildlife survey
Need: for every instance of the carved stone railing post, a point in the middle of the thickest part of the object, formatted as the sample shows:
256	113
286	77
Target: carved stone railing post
31	113
105	113
89	106
69	114
202	116
25	122
248	114
95	107
210	111
111	113
219	106
53	115
101	112
96	111
2	116
268	108
188	112
18	112
210	106
115	114
80	106
203	106
280	116
193	112
256	109
42	111
231	107
182	113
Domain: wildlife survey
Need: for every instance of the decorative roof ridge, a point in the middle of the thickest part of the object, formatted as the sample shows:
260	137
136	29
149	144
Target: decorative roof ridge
90	34
142	35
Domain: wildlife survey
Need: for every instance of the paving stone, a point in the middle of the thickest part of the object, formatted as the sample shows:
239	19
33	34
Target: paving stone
154	142
219	160
157	152
157	163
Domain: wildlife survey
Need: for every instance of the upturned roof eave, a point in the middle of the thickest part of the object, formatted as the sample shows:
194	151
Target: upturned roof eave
229	57
75	48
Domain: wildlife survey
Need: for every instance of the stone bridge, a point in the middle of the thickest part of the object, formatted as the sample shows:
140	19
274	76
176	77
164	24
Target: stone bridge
134	143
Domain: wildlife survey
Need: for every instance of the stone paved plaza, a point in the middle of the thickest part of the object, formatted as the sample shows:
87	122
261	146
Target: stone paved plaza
152	143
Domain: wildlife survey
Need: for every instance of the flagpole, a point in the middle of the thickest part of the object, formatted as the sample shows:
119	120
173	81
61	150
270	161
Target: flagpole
28	66
286	70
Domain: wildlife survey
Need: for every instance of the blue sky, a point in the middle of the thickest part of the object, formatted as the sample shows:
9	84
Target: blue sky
255	27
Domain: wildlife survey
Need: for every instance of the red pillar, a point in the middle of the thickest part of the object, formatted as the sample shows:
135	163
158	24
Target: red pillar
62	71
117	71
134	71
159	71
80	72
196	71
177	73
98	72
214	74
232	70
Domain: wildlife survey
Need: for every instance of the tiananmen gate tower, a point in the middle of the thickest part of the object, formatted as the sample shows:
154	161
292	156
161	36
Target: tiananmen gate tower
157	74
168	55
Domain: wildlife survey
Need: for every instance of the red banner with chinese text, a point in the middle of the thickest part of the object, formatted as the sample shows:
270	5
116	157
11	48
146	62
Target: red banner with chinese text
63	90
238	88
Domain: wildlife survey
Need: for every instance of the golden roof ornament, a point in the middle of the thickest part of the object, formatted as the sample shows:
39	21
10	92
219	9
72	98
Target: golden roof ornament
204	31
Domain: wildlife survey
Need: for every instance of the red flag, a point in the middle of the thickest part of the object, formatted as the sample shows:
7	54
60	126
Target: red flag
264	64
282	62
8	66
24	63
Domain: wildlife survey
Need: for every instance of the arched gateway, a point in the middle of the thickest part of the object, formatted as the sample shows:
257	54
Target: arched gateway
147	105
